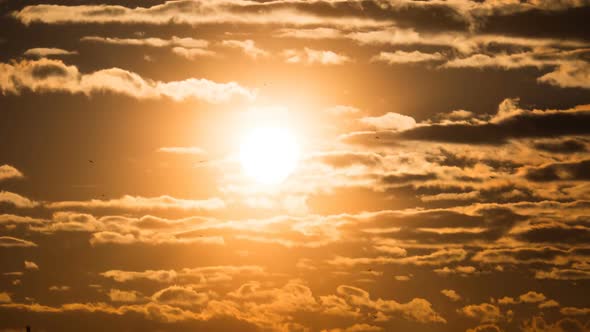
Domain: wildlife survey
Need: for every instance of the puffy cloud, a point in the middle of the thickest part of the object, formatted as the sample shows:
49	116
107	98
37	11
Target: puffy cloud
573	311
524	255
390	121
11	219
186	12
401	57
180	296
357	328
484	312
42	52
451	294
503	61
5	297
9	172
417	309
561	146
548	304
46	75
191	53
311	56
439	257
573	74
460	270
532	297
568	171
206	274
485	328
511	122
247	46
16	200
31	265
563	274
117	295
402	278
538	324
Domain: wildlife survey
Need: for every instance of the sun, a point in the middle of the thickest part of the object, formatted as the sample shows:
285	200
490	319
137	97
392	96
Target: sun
269	154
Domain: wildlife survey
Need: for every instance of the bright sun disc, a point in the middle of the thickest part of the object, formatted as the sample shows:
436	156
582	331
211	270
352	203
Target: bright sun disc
269	155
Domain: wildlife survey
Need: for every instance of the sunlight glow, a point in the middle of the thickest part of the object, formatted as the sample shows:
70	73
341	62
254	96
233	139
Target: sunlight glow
269	155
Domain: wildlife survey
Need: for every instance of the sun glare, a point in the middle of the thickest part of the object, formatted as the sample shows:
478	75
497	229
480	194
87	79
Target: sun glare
269	155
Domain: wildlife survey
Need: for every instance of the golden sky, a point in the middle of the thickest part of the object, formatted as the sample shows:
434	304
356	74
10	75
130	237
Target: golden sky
293	165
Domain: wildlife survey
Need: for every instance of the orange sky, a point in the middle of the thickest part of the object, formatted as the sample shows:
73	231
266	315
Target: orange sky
291	165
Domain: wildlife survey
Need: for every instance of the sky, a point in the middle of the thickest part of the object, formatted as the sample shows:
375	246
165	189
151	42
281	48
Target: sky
295	165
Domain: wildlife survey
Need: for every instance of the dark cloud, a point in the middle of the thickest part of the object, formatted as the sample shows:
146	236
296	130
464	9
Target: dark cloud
573	171
565	146
514	127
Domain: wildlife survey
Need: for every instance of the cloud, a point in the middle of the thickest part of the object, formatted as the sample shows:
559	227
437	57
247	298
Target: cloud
566	146
42	52
511	122
180	296
187	12
530	255
16	200
11	219
390	121
174	41
485	328
187	47
563	274
548	304
484	312
5	297
568	171
247	46
116	295
342	110
538	324
128	202
573	74
9	241
59	288
206	274
573	311
464	43
503	61
31	265
310	56
451	294
532	297
401	57
357	328
439	257
191	53
46	75
9	172
417	309
464	271
402	278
